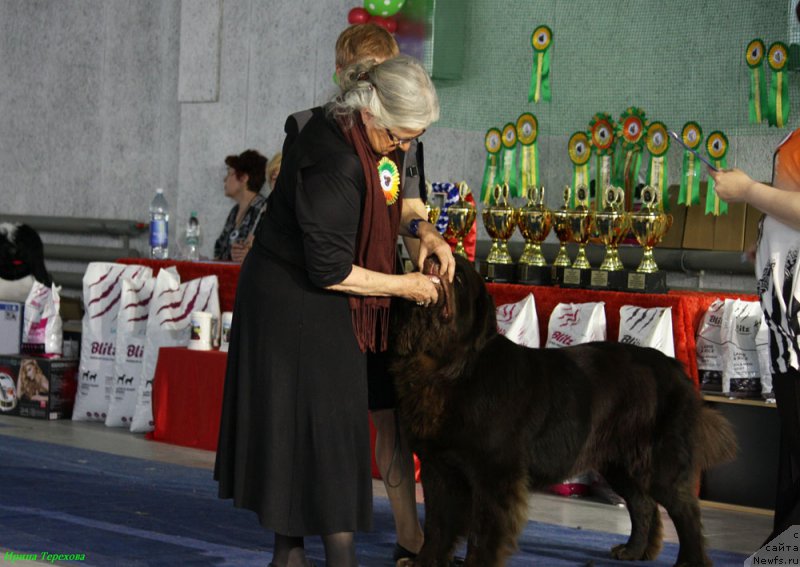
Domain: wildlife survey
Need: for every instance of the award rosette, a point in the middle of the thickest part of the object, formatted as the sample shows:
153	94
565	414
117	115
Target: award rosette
493	146
541	38
657	142
692	136
508	159
778	103
601	129
717	147
758	81
580	152
631	130
527	132
390	179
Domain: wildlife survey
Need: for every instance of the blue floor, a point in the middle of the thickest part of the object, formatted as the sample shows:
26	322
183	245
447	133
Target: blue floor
122	511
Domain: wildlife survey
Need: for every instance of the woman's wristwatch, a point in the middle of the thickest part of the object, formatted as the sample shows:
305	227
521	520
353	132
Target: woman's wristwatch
413	227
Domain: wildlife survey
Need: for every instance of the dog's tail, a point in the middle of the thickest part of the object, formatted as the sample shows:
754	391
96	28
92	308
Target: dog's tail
715	440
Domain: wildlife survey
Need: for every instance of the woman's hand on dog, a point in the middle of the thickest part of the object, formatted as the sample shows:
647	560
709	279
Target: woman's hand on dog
420	288
432	243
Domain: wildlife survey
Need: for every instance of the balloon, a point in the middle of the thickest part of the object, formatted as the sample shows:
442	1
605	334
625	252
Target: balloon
390	24
357	16
383	8
384	23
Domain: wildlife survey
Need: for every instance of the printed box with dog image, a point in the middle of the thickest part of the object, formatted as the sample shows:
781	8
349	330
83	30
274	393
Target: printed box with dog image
42	388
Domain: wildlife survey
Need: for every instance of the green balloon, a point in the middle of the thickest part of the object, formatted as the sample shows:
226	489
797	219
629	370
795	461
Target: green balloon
383	8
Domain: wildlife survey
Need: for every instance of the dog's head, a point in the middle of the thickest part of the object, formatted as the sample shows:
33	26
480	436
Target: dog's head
462	319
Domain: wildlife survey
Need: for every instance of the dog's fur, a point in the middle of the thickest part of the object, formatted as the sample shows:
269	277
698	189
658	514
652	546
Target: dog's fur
491	420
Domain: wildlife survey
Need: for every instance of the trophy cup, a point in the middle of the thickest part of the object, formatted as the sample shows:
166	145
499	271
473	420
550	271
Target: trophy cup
649	225
434	204
500	220
579	228
561	227
534	222
461	215
611	224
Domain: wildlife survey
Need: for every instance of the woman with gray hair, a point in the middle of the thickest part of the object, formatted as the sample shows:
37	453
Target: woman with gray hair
313	298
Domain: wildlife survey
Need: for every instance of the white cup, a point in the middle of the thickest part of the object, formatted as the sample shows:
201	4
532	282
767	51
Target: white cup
227	317
200	337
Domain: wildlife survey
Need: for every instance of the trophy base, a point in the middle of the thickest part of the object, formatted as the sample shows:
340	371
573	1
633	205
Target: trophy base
616	280
499	273
573	277
534	275
655	282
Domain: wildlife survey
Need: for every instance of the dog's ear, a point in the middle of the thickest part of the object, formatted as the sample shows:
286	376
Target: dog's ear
485	318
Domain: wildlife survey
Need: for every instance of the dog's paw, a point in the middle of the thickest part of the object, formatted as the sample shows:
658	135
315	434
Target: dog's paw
406	562
622	553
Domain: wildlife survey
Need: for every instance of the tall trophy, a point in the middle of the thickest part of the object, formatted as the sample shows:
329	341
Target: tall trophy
611	224
434	204
579	226
649	225
534	222
500	220
561	227
461	216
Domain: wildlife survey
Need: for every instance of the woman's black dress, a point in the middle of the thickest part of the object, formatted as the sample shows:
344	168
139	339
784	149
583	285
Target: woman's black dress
294	436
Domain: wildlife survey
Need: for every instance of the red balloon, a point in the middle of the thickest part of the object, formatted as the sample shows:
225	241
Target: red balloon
358	16
390	24
379	21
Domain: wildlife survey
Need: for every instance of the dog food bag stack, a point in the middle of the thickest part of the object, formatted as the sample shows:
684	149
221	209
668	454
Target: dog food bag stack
741	372
648	327
131	331
519	322
709	348
573	324
168	325
764	360
42	329
102	292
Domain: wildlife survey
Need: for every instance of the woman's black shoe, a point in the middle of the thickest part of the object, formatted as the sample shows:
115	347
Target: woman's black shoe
401	552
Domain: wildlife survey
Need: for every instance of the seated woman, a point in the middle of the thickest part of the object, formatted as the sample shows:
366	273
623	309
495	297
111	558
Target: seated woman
243	183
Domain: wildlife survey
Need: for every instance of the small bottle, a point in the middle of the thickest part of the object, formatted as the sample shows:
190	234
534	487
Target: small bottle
159	226
192	239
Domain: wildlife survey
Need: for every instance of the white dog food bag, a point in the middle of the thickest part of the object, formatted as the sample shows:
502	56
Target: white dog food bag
709	347
131	329
764	359
576	323
102	291
168	324
648	327
741	373
42	328
519	322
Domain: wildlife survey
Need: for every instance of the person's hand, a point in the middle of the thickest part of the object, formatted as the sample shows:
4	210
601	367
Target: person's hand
240	248
420	288
731	185
431	242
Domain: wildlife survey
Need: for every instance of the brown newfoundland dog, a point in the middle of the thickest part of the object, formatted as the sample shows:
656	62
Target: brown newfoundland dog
491	420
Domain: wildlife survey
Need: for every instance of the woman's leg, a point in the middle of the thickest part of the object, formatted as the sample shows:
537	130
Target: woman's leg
340	550
396	465
289	552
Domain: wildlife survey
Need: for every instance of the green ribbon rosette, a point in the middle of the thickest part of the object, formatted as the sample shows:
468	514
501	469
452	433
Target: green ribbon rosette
778	103
758	81
601	129
493	145
508	159
527	132
580	152
692	136
631	130
717	147
541	38
657	143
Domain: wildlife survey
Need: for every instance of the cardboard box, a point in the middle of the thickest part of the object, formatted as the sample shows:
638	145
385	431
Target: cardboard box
698	233
729	229
10	326
674	236
42	388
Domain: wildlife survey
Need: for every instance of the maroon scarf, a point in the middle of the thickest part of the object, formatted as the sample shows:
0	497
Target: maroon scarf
376	241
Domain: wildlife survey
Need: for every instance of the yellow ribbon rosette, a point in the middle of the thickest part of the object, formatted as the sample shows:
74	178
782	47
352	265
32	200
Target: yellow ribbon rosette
580	152
717	147
758	82
657	143
508	159
493	145
527	132
601	129
692	136
778	103
539	89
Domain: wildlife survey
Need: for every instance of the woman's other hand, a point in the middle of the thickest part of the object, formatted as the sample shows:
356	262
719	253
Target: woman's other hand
240	248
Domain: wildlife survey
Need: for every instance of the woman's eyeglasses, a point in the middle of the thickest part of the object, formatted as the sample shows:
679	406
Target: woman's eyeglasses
401	141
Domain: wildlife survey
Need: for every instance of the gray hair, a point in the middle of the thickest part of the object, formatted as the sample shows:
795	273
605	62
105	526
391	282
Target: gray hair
398	93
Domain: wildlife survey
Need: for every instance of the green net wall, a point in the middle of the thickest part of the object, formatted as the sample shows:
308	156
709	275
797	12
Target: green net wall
678	60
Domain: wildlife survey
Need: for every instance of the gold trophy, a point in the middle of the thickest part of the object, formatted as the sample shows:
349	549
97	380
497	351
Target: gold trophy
649	224
500	220
461	216
434	203
561	226
579	230
611	224
534	222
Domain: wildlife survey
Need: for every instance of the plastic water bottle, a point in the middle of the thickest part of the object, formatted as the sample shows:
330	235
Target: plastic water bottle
159	226
192	238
